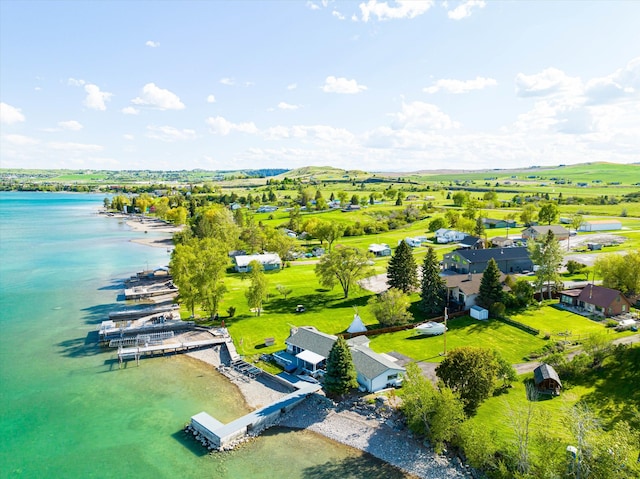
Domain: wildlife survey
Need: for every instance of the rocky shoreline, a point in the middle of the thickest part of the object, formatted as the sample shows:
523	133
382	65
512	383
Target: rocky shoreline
372	427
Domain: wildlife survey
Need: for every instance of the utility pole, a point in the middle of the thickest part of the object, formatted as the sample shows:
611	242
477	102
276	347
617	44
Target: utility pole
445	332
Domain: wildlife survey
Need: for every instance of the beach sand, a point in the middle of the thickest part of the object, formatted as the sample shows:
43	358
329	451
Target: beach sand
152	225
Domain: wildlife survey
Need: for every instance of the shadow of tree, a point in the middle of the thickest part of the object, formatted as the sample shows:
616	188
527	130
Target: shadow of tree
81	347
353	467
115	284
98	313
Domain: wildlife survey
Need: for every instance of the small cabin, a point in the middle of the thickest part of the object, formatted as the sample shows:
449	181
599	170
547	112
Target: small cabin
547	380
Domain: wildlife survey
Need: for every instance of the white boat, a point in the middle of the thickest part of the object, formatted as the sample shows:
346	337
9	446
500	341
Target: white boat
430	328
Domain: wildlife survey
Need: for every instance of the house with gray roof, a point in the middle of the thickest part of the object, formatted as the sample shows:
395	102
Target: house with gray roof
311	348
510	260
539	232
547	380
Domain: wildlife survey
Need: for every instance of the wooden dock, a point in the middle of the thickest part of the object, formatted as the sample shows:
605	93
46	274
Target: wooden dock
175	345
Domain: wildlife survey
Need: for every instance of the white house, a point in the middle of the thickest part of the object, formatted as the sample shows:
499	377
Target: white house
266	209
600	225
380	249
308	348
444	235
269	261
413	242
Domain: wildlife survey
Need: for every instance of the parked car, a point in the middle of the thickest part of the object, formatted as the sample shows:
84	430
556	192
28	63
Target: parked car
300	309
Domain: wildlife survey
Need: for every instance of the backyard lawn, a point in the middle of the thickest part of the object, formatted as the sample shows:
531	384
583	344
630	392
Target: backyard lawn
512	343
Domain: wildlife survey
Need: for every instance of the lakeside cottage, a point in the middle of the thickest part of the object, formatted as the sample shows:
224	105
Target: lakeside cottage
382	249
492	223
308	349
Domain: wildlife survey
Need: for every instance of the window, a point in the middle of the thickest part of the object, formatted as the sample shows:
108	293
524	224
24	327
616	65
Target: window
392	376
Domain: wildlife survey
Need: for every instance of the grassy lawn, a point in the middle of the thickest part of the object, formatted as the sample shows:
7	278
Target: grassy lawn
553	320
608	391
512	343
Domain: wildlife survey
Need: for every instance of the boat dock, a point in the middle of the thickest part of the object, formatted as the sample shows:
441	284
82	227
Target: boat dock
163	343
155	323
215	435
145	292
137	313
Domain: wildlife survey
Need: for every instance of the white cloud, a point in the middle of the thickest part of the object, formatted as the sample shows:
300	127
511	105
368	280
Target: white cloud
624	83
70	125
73	147
152	44
10	114
342	85
313	6
222	126
128	137
398	9
75	82
549	82
420	115
338	15
159	98
169	133
464	10
461	86
95	98
211	99
227	81
292	86
129	110
20	140
287	106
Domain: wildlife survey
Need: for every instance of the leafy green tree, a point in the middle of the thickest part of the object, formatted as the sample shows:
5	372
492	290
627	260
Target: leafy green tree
258	287
284	290
433	289
435	413
620	272
402	271
279	242
548	256
460	198
390	307
328	231
523	292
548	213
490	286
341	375
177	215
217	222
471	372
436	224
452	217
343	265
399	199
183	266
471	209
529	214
161	207
209	274
575	267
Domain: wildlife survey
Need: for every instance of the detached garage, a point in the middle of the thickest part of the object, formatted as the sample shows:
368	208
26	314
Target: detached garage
479	313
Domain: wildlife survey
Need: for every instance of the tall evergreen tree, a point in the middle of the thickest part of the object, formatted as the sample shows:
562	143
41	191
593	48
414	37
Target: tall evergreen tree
341	375
433	290
490	286
402	271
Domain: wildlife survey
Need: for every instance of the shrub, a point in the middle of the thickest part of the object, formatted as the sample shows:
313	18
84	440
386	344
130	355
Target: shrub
498	310
231	311
611	323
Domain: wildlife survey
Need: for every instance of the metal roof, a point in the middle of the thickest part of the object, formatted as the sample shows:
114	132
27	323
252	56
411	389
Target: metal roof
545	371
484	255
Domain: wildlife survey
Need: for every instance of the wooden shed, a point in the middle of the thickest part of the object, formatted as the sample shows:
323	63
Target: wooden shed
547	380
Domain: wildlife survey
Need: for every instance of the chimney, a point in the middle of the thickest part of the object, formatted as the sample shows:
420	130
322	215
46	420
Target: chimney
590	291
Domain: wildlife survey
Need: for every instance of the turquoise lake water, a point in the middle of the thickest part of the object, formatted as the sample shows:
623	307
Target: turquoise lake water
66	411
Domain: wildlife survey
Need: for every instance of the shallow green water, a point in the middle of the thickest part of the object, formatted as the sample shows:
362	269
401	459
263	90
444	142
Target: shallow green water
65	408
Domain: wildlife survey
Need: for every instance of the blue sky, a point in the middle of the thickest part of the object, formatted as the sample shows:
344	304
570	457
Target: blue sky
373	85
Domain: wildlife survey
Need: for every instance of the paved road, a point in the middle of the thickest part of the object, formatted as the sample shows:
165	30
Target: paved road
522	368
429	369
